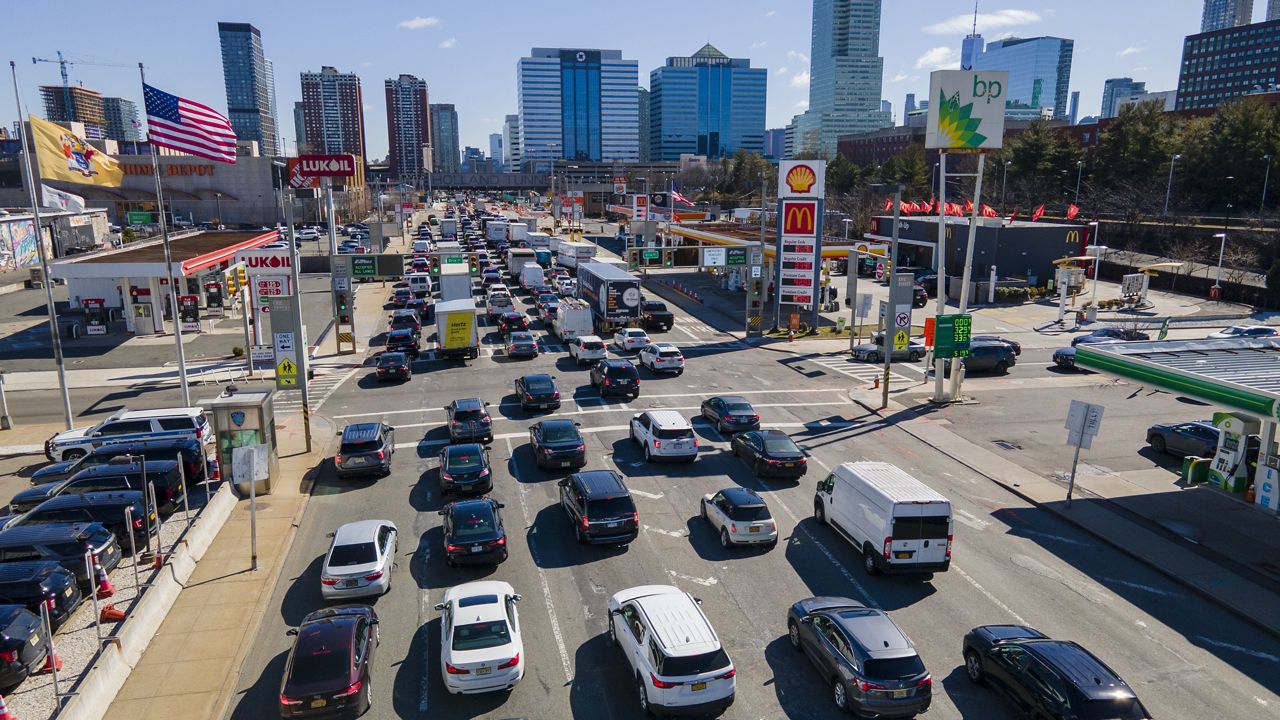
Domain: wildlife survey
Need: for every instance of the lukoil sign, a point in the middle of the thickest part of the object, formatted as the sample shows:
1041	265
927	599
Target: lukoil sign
258	262
966	110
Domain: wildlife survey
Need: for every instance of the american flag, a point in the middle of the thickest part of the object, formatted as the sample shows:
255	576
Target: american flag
187	126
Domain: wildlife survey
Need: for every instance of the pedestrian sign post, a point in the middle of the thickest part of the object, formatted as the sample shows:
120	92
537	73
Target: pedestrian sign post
900	340
951	336
286	374
1084	420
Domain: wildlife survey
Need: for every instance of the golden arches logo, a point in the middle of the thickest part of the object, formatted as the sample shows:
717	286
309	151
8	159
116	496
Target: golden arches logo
1073	236
798	219
801	179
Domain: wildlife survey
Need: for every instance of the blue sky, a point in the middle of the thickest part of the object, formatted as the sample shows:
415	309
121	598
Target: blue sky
467	51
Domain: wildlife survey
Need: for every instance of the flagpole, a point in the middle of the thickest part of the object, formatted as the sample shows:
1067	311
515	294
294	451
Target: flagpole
168	261
44	257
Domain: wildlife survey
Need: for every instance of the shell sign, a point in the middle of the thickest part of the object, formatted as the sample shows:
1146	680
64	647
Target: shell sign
802	179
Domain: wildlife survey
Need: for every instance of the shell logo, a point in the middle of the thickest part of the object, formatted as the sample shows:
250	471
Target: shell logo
801	179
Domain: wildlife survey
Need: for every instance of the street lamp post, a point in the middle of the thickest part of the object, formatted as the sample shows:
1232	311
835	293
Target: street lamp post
1079	172
1168	191
1004	181
1222	247
1262	206
218	197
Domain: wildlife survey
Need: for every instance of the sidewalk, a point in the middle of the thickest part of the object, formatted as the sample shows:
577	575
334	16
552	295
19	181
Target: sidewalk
1216	546
27	439
190	667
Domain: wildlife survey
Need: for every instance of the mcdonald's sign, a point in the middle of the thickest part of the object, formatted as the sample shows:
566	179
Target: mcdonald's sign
1073	236
799	217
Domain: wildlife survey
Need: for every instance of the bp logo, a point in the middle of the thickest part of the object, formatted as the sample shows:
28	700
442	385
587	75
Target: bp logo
956	122
1275	410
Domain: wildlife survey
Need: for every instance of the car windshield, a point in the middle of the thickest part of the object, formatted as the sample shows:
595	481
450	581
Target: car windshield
353	554
390	359
779	444
478	636
748	513
463	461
740	408
901	668
521	338
468	415
1115	709
560	432
537	384
693	664
473	521
316	661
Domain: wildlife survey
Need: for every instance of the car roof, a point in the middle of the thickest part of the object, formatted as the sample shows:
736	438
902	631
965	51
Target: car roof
126	468
556	423
395	356
678	622
601	484
664	347
401	331
522	336
616	363
874	631
537	377
28	571
360	531
730	399
633	331
101	498
668	419
46	532
1086	672
740	496
361	432
163	413
469	404
496	589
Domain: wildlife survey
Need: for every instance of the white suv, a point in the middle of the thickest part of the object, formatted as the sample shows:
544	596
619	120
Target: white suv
129	425
662	357
677	663
664	434
587	349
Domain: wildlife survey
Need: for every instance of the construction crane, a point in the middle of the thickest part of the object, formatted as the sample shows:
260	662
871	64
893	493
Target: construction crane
66	82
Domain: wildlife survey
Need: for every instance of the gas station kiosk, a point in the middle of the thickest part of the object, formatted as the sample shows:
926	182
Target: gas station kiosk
244	418
1239	375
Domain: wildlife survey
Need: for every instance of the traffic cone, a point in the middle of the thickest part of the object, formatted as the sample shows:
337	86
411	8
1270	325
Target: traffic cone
159	561
110	613
51	662
105	589
4	711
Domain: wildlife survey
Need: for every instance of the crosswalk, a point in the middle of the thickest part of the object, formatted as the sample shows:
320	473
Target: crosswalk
856	369
325	382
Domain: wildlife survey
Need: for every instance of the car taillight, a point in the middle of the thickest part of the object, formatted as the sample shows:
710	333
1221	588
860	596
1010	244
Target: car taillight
635	517
527	395
382	454
773	526
949	539
606	381
695	442
926	681
500	542
51	603
771	461
373	576
453	548
337	459
888	543
580	448
555	395
455	670
199	433
755	418
657	443
732	672
865	686
328	581
457	422
548	451
352	689
510	663
484	472
803	461
661	683
733	527
286	700
586	524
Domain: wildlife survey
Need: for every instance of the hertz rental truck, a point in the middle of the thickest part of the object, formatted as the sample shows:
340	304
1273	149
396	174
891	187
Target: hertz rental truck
455	282
456	333
613	294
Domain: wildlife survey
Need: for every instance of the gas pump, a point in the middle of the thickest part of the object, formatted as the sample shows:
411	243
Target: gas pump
95	316
189	312
214	304
1230	467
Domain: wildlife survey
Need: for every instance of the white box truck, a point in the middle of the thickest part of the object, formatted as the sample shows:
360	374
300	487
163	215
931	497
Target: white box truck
455	282
897	523
532	274
456	333
517	232
496	231
540	241
572	254
572	320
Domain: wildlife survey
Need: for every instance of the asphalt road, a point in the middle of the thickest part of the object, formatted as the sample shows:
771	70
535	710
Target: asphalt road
1013	563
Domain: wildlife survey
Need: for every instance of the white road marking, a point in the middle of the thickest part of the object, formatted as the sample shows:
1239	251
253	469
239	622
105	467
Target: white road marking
987	594
705	582
1238	648
1260	701
651	496
1140	586
967	518
424	608
686	332
1059	538
542	576
668	533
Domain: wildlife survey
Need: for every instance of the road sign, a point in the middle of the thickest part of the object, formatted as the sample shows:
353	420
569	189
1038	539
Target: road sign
714	256
902	320
650	254
283	343
342	283
1084	418
288	341
755	271
286	373
365	267
326	166
864	305
951	337
737	256
900	340
879	271
454	260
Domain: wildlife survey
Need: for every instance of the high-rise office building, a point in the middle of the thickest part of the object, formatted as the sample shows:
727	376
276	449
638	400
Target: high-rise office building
909	106
1039	71
244	72
495	151
299	128
1273	9
122	119
269	76
706	104
846	76
1224	64
886	106
444	137
577	104
511	143
642	95
1074	112
970	47
474	161
1223	14
75	104
775	144
334	112
1116	89
408	125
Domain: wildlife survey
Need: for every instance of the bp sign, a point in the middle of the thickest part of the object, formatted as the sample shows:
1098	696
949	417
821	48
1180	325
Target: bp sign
966	110
951	337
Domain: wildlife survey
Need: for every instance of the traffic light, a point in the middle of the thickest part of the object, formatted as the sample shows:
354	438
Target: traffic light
633	258
435	264
473	262
242	277
668	258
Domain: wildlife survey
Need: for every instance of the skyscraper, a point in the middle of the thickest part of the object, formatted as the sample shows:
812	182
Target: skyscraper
333	111
970	47
86	107
775	144
122	119
846	75
408	125
909	106
1273	9
1223	14
646	152
269	76
444	138
1116	89
495	151
1074	112
244	72
578	104
299	128
1224	64
511	143
706	104
1039	71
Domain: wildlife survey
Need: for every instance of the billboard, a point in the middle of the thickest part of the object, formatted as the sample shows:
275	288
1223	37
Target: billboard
296	179
639	207
798	251
966	110
802	179
327	165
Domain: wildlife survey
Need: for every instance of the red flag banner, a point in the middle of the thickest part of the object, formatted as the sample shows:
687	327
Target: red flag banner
988	211
1039	213
968	206
1013	215
1072	211
888	204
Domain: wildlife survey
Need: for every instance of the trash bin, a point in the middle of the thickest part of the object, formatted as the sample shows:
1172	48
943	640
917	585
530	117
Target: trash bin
1091	313
1195	470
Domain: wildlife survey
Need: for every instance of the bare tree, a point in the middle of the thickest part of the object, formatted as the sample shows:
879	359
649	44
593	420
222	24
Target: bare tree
1239	260
1186	250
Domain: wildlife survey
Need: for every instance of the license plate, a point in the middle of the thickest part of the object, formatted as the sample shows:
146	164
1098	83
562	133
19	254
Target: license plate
35	640
67	592
754	528
356	461
477	548
565	463
788	465
899	693
613	525
319	703
698	686
483	671
903	555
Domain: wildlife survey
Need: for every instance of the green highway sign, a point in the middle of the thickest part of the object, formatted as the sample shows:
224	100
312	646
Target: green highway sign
736	256
951	338
141	218
650	254
366	266
454	260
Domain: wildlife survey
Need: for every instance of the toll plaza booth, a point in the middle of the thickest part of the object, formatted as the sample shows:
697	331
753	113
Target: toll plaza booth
1241	376
133	284
245	418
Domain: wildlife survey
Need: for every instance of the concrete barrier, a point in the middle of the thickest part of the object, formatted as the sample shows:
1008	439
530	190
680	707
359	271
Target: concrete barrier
99	684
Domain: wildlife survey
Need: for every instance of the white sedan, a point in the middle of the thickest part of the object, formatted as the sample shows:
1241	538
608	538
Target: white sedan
628	339
1245	331
360	560
662	357
480	645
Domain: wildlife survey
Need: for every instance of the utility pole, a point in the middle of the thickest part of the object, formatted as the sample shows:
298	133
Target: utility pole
954	394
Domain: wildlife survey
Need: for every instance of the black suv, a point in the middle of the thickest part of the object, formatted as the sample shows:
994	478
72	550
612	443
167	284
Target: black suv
106	507
600	507
195	463
115	475
616	377
1047	678
468	420
403	340
656	315
366	450
63	543
993	357
40	582
22	646
473	532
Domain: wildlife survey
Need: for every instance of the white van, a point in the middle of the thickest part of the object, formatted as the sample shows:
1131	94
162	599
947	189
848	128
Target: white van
898	523
419	283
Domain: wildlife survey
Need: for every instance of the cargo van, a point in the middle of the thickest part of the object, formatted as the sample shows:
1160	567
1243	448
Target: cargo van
899	524
419	284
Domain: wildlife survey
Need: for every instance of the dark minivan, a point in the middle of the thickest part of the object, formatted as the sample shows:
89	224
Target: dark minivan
63	543
106	507
41	582
195	463
22	646
600	507
115	475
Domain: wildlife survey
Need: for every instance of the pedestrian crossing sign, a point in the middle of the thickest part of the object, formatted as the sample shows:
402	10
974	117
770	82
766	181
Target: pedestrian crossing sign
900	340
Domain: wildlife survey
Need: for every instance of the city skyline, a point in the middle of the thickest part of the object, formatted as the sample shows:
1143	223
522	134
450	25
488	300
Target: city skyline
772	36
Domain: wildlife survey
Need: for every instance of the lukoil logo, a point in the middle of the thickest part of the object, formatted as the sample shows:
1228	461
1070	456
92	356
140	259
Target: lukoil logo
267	261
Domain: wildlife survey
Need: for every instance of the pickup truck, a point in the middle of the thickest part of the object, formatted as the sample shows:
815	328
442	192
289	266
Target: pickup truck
656	315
